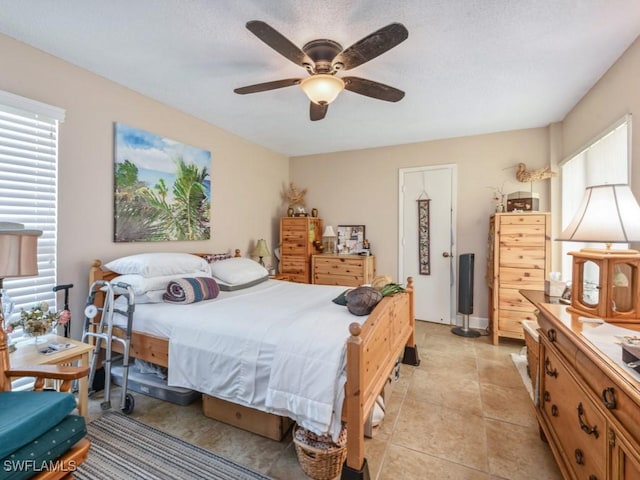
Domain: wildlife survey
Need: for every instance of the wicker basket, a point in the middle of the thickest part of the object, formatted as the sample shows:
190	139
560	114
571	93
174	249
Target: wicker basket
320	463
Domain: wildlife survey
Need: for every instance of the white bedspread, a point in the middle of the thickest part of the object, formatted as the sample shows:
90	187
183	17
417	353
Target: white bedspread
279	347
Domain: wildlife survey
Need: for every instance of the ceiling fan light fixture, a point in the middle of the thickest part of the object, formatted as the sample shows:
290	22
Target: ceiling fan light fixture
322	88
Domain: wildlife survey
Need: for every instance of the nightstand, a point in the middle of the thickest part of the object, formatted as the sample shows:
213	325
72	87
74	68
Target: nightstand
348	270
26	355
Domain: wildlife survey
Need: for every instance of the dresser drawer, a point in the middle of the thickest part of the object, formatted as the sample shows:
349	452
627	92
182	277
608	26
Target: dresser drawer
527	219
613	398
510	299
338	266
522	278
522	257
522	235
347	281
511	321
579	427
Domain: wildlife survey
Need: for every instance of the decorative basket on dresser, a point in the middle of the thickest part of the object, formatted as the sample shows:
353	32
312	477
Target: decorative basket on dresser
300	238
518	257
349	270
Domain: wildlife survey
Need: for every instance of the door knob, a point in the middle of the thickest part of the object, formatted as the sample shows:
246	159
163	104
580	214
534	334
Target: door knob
446	254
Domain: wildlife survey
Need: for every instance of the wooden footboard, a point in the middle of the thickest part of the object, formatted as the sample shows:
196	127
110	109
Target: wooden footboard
373	350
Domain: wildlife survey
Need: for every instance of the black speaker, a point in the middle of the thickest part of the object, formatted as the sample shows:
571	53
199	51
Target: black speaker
465	283
465	295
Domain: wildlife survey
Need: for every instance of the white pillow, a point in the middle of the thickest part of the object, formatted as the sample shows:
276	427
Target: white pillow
142	285
238	271
158	264
152	296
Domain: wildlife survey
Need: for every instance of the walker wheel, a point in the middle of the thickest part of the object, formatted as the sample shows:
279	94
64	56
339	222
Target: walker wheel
129	403
105	405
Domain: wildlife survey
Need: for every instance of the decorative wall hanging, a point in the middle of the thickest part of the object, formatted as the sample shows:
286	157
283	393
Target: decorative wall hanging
162	188
424	254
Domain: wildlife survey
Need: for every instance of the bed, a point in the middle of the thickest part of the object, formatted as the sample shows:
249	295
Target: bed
373	345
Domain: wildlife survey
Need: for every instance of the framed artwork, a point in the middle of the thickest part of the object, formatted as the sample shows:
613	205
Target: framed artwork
350	238
162	188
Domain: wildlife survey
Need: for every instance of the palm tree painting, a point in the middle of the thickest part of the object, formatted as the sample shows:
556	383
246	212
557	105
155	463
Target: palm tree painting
162	188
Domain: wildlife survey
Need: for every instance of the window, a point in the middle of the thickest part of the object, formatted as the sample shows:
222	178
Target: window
28	189
604	161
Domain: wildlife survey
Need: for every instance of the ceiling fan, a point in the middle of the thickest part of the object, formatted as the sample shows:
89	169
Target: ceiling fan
323	58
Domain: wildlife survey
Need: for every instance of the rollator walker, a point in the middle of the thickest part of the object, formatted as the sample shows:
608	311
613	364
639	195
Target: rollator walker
99	326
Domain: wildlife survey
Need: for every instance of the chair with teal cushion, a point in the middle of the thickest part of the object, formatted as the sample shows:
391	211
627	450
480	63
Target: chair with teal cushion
39	434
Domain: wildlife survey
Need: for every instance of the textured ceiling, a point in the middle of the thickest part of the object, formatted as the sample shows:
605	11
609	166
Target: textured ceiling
468	67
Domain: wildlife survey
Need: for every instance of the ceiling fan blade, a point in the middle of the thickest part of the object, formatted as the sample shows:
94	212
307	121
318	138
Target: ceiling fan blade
372	89
279	42
262	87
372	45
317	112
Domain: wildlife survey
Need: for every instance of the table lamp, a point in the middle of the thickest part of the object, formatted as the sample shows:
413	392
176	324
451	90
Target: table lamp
608	214
261	251
18	256
329	239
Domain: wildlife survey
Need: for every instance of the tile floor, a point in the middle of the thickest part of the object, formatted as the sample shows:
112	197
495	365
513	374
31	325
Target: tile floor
463	414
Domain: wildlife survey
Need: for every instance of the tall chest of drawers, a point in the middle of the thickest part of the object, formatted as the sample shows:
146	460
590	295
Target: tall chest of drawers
299	238
518	257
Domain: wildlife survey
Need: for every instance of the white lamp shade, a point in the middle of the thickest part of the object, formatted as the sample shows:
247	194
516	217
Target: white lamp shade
322	88
607	214
18	250
329	232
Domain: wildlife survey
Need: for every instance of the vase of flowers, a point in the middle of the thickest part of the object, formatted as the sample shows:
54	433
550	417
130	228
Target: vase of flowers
39	321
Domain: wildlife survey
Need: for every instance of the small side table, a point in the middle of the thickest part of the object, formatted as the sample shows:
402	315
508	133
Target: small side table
26	355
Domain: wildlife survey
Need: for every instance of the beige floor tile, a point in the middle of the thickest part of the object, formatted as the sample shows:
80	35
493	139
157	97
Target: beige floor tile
518	453
406	464
442	432
457	390
499	371
507	404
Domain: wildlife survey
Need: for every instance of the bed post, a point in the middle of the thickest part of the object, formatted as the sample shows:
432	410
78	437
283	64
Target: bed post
355	467
411	356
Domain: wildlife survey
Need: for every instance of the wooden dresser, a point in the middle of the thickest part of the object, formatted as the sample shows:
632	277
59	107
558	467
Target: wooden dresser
349	270
298	239
589	406
518	257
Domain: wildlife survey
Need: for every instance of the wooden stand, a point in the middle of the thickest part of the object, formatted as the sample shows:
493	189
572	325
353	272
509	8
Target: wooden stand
616	295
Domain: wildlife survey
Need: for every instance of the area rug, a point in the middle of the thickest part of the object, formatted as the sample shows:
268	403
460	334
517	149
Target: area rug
123	448
520	361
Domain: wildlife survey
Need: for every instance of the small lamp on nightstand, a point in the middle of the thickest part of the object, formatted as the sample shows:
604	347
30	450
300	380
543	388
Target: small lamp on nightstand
18	255
329	239
261	251
608	214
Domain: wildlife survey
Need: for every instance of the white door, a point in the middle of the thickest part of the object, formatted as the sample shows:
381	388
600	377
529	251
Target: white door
434	293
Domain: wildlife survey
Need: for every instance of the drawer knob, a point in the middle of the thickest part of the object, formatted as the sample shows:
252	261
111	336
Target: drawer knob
609	398
579	456
593	477
546	396
551	335
584	425
554	410
548	370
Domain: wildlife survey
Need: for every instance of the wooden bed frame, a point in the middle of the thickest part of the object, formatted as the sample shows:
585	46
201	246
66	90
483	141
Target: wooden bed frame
373	349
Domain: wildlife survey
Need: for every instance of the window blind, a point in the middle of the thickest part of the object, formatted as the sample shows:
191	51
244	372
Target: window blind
604	161
28	191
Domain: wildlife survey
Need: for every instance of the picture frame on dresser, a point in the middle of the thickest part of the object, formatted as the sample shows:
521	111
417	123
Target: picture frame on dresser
350	239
